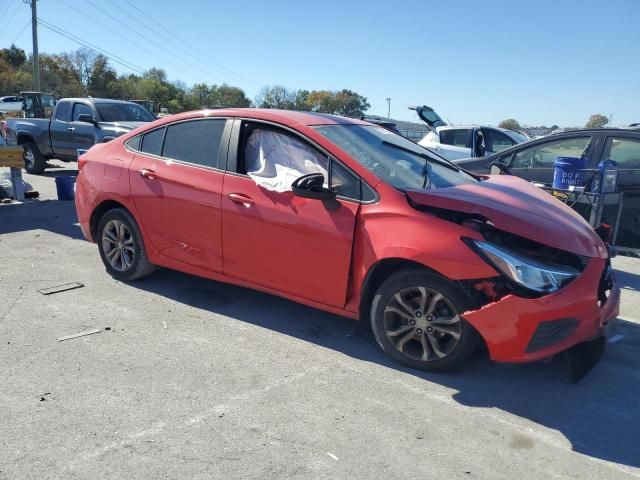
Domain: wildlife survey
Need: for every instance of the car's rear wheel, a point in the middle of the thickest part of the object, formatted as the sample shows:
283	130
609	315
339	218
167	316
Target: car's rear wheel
415	316
121	246
34	162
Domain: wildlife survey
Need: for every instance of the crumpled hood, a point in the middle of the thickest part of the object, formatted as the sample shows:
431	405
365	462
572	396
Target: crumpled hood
518	207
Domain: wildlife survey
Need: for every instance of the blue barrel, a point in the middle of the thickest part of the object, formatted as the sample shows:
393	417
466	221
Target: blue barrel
567	172
65	187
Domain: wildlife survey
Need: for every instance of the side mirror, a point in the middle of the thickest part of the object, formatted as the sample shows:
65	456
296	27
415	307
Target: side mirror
312	186
88	119
498	168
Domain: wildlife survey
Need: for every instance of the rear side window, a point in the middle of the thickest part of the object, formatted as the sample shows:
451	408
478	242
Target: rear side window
152	142
458	137
62	112
196	142
134	143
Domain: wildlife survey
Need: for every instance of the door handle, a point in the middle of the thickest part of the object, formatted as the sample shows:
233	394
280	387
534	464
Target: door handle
150	174
71	129
243	199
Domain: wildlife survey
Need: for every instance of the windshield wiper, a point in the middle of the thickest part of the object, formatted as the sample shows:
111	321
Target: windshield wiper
428	158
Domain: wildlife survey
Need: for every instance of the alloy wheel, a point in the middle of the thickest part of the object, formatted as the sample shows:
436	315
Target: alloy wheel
118	245
422	324
29	159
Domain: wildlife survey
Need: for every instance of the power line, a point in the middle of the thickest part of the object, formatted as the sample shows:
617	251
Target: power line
15	10
21	32
151	41
98	22
90	46
186	44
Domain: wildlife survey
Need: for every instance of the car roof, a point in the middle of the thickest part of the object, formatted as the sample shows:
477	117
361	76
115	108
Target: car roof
285	117
95	100
566	134
449	127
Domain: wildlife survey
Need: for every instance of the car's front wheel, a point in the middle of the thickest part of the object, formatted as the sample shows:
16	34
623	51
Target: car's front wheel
121	246
415	316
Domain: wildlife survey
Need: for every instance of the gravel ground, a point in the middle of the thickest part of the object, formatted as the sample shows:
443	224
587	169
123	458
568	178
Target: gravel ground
197	379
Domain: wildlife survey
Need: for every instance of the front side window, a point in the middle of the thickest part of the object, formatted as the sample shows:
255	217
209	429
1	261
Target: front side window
80	109
544	155
458	137
624	151
496	141
274	160
62	112
123	112
152	142
394	159
196	142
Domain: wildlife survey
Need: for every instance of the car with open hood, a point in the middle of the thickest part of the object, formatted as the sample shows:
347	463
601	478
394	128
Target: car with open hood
351	218
455	142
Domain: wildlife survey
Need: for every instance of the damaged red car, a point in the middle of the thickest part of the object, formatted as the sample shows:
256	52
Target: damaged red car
350	218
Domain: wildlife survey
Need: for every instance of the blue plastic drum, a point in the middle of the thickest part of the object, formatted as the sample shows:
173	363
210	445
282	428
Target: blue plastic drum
65	187
568	172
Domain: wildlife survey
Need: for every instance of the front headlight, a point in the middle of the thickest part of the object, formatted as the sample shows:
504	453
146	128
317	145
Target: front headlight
524	271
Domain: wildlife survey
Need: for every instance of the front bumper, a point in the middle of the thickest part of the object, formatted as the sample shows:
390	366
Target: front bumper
567	317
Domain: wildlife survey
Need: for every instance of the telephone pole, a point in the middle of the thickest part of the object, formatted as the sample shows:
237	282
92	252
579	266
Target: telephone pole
34	32
388	108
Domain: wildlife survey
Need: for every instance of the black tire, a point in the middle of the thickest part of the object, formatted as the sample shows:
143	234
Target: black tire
387	324
138	265
34	162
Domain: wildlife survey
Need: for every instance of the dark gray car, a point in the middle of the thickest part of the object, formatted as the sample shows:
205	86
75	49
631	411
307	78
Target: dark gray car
76	124
534	161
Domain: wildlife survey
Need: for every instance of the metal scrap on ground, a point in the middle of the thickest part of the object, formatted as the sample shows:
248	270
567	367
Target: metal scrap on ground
80	334
60	288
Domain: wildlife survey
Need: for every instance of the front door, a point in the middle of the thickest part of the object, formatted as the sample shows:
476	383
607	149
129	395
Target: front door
176	187
82	134
271	237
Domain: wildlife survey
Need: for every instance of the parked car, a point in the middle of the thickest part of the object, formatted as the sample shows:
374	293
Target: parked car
76	123
534	161
348	217
455	142
10	99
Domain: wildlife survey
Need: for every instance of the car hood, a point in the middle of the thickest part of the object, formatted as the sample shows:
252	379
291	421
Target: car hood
518	207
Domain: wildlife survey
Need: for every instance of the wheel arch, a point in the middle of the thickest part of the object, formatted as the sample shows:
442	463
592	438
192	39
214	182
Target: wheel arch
378	273
99	212
24	137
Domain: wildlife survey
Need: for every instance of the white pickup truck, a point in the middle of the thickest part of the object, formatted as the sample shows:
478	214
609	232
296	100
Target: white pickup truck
455	142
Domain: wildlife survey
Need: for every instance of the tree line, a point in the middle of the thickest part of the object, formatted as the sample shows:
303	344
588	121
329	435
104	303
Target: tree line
85	73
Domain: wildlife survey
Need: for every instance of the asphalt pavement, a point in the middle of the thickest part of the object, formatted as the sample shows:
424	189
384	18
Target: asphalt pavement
191	378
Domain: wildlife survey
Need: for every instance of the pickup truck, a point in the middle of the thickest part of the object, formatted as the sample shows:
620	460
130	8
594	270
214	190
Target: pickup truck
76	124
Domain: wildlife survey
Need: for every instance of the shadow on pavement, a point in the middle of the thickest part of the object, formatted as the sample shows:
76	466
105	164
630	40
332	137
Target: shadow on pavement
52	215
599	416
59	172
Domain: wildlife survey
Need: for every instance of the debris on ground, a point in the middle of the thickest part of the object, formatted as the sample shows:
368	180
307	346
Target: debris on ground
164	324
60	288
81	334
42	397
332	456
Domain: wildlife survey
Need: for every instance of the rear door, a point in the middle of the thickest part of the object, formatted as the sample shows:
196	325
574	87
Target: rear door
455	143
176	185
495	141
624	149
271	237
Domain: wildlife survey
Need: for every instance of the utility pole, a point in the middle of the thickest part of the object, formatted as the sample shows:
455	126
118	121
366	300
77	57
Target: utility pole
34	32
610	118
388	108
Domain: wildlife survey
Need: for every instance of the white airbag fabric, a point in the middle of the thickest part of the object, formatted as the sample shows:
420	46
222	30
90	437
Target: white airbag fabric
274	161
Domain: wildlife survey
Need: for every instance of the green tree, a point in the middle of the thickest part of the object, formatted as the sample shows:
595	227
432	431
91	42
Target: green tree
101	76
597	120
510	124
276	97
14	56
350	104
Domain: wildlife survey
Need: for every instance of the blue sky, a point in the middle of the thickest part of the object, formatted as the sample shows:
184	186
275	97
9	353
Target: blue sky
541	62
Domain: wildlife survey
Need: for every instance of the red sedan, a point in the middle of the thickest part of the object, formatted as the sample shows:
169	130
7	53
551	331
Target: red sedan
350	218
